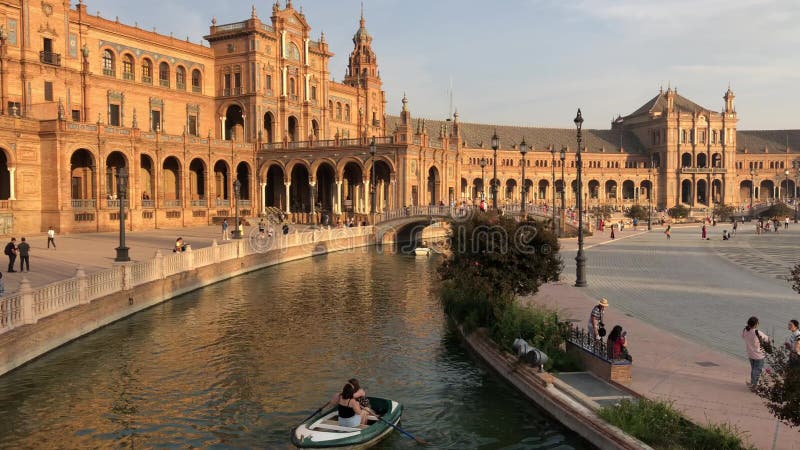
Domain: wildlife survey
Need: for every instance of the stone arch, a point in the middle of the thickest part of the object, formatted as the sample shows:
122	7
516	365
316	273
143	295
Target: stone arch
82	170
147	173
746	191
243	175
716	191
171	176
645	190
325	176
383	177
510	189
234	122
109	61
222	180
686	160
434	182
716	160
628	190
352	185
315	129
766	190
686	191
611	190
702	191
298	162
292	129
180	77
340	167
269	126
543	187
702	160
275	192
115	161
197	179
594	189
164	71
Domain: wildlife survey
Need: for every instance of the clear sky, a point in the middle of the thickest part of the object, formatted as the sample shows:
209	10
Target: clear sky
534	62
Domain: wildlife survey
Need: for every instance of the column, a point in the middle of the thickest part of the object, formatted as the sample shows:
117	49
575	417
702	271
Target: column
12	194
287	184
367	197
222	121
263	198
312	185
338	197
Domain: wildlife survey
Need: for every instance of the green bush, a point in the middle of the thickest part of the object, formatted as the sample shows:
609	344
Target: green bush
659	425
542	328
602	211
724	212
678	212
637	212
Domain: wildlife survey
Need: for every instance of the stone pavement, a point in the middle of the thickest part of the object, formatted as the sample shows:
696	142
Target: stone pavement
96	251
684	304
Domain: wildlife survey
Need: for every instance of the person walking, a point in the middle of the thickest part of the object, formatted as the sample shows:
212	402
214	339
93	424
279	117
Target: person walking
703	233
786	223
51	237
225	236
667	232
792	343
735	225
597	328
755	343
24	256
11	252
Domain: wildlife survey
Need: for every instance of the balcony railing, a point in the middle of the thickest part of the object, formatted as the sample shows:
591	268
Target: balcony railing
181	86
108	72
5	204
54	59
164	83
173	203
84	203
115	203
197	89
244	203
148	203
147	80
712	170
199	203
127	76
222	202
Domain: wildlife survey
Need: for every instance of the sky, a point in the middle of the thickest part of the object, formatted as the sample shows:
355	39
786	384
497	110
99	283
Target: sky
534	62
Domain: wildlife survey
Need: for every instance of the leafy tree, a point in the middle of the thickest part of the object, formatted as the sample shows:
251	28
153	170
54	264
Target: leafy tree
779	210
493	260
602	211
724	212
678	212
779	386
637	212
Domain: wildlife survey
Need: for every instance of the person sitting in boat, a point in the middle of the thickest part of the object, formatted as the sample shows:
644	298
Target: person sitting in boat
358	394
351	414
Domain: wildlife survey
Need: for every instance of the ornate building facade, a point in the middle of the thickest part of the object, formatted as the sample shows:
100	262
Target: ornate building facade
82	96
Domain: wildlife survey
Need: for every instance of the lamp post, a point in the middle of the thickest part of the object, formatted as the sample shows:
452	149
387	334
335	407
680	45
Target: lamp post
523	149
483	179
580	259
580	269
122	194
563	156
752	190
553	189
372	150
237	189
495	146
650	195
786	195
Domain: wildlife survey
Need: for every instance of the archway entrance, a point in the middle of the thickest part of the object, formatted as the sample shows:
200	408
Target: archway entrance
234	123
114	162
197	180
275	194
745	191
326	184
82	174
353	182
221	182
292	129
716	191
383	175
172	179
300	190
434	183
243	175
269	127
146	179
686	192
702	192
5	177
544	185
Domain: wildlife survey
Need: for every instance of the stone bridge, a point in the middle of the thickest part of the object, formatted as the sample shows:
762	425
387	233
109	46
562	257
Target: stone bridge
406	224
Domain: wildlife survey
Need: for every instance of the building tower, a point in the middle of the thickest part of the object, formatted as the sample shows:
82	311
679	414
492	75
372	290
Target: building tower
362	73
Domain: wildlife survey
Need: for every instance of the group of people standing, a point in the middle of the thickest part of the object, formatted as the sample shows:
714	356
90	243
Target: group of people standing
758	345
616	343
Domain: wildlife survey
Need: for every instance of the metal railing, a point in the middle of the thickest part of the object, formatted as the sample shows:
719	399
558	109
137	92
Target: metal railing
54	59
84	203
115	203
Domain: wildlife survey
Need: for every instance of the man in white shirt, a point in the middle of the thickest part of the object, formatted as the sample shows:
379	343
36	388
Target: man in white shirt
51	237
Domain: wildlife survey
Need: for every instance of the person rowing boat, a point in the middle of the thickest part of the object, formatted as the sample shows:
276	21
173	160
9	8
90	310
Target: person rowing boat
352	404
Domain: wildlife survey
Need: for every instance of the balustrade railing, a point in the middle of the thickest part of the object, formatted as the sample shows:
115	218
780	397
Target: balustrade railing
86	203
115	203
199	203
173	203
148	203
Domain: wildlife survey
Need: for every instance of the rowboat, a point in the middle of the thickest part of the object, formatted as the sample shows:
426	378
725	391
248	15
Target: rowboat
422	251
323	430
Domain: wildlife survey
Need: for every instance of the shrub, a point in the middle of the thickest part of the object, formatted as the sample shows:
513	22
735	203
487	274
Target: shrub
659	425
724	212
678	212
602	211
780	385
637	212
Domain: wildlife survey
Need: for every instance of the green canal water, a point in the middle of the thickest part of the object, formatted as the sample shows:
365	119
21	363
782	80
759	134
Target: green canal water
239	363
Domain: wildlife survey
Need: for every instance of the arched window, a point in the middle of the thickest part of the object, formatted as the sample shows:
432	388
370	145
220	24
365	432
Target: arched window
338	111
330	109
180	78
163	74
108	63
147	71
293	52
197	79
347	113
292	87
127	67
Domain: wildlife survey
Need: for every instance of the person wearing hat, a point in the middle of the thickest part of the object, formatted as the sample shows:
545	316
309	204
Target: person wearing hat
596	327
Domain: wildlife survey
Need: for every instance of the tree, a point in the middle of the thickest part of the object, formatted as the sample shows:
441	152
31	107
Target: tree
493	260
678	212
602	211
724	212
779	386
637	212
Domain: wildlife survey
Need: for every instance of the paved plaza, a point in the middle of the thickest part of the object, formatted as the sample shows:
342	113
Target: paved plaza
684	303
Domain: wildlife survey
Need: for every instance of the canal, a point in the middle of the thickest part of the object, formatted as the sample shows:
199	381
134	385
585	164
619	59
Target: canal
239	363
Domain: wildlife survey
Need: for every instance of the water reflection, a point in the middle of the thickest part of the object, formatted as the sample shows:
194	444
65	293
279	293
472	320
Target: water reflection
237	364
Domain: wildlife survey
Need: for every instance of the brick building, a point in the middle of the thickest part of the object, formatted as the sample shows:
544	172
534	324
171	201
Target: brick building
83	96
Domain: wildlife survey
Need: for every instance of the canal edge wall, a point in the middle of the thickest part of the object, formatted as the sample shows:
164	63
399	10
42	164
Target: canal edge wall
544	390
26	343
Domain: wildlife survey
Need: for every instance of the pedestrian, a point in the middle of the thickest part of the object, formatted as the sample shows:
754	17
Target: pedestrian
703	233
241	228
735	225
597	328
757	345
225	236
2	290
786	223
792	343
11	252
667	232
613	225
261	227
51	237
24	256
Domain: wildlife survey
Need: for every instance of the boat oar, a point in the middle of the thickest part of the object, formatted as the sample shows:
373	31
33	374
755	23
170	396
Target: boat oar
315	412
406	433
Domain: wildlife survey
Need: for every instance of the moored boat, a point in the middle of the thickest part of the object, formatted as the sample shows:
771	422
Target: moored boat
422	251
323	430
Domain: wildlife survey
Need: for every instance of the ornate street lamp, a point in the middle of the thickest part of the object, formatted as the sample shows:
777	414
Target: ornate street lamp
580	259
786	174
237	190
752	190
122	194
650	194
553	188
483	179
523	149
563	156
495	146
372	150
